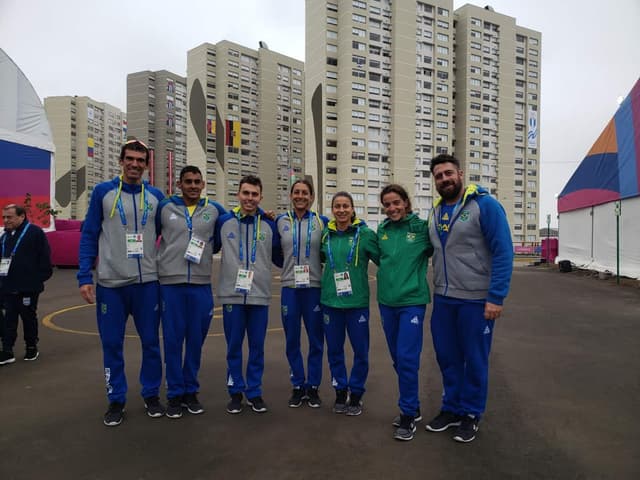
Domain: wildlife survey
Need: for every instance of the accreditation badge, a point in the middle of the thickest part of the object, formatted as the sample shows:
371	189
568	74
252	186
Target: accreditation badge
301	276
244	279
343	284
195	249
135	245
5	263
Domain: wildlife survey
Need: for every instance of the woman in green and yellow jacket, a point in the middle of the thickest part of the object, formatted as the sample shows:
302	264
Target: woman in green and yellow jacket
403	295
347	246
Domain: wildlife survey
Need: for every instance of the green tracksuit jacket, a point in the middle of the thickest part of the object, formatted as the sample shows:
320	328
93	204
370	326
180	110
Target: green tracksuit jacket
341	242
405	249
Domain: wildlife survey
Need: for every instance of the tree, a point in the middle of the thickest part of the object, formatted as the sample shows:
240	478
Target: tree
42	213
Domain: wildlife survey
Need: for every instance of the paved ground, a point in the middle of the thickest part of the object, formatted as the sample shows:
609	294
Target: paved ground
564	398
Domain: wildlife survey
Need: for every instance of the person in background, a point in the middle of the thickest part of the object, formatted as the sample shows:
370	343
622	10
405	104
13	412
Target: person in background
347	246
250	244
186	226
403	295
300	233
24	267
120	229
472	266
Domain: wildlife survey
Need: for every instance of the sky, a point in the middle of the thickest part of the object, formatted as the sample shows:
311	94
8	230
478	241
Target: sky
590	55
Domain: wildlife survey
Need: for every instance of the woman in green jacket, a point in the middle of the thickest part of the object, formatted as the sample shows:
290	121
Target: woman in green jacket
403	295
347	246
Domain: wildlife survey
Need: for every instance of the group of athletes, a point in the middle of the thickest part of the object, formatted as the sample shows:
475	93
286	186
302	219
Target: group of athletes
154	262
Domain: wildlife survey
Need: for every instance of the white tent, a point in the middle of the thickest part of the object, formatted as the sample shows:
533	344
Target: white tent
26	143
599	208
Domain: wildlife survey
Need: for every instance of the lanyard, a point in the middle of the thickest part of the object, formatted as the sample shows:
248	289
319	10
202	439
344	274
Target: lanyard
256	232
351	252
307	250
117	202
15	248
189	218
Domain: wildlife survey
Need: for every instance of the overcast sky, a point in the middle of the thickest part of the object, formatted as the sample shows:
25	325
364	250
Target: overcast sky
590	54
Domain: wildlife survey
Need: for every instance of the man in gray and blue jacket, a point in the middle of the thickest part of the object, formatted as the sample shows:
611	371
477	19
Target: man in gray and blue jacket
472	265
120	229
186	224
250	244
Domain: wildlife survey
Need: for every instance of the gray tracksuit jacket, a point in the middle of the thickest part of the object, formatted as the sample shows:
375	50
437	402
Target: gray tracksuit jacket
286	224
234	230
172	222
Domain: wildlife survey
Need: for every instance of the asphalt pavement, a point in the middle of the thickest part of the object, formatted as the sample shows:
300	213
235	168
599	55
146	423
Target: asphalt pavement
563	397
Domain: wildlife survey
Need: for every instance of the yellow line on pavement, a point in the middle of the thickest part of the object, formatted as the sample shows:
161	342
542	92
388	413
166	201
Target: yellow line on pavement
48	322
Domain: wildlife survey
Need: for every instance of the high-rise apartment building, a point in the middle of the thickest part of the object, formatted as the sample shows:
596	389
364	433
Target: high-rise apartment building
497	112
88	136
246	116
389	85
157	115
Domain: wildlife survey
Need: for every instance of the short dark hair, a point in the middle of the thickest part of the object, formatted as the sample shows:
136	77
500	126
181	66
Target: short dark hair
346	195
304	181
20	211
400	190
136	146
189	169
444	158
251	180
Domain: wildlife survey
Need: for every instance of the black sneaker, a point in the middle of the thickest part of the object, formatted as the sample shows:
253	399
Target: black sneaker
406	429
443	421
154	408
114	414
257	404
296	397
190	401
235	404
174	407
341	402
7	357
31	353
355	405
466	432
416	419
313	399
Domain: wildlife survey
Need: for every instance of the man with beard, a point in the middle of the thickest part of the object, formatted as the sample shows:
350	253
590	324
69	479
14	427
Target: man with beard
472	266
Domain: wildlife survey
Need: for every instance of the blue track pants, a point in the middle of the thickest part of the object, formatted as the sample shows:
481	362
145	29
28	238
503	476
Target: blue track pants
114	305
186	316
462	342
298	305
253	320
403	329
355	323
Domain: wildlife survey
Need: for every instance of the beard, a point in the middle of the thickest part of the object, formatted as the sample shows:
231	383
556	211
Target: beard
450	193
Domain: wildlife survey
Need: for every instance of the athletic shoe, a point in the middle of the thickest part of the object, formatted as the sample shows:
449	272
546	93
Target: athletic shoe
406	429
31	354
443	421
416	419
235	405
174	407
341	402
7	357
190	401
355	405
466	432
114	415
313	399
154	408
296	397
257	404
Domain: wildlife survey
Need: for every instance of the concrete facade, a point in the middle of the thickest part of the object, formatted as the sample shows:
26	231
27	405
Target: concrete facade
246	116
88	136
